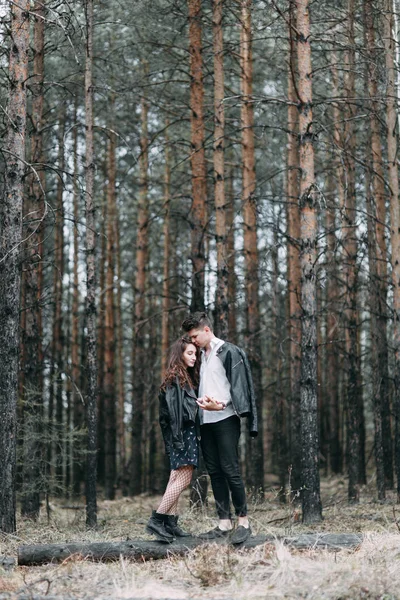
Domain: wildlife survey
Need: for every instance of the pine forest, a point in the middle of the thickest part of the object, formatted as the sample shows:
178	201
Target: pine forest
238	157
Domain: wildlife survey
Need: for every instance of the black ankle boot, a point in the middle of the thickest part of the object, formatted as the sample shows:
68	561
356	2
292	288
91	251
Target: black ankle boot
157	526
171	525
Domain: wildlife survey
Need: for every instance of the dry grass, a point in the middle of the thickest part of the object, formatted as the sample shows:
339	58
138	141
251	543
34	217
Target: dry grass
371	571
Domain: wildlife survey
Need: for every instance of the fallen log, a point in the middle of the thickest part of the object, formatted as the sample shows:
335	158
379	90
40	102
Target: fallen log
151	550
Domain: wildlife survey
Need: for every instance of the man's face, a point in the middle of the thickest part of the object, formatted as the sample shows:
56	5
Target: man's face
200	337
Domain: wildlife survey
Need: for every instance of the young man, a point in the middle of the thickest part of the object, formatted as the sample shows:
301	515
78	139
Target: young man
226	393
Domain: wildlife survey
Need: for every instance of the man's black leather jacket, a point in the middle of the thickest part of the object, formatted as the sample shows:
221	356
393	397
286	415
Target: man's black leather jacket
237	369
177	406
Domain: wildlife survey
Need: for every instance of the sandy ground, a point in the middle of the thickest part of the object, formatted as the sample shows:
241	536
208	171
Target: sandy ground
370	571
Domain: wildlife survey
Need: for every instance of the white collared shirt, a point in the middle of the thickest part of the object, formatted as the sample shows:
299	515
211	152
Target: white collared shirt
214	382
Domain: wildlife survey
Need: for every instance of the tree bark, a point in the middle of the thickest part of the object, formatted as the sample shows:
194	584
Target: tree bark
311	501
166	259
101	331
293	265
58	338
197	156
221	293
109	345
138	359
10	273
32	362
152	550
335	193
391	122
121	444
349	261
231	257
91	316
381	281
255	448
77	403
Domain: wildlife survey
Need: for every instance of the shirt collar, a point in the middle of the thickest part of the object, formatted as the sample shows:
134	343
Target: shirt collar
213	343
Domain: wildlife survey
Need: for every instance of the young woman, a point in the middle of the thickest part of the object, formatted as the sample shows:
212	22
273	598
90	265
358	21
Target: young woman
179	425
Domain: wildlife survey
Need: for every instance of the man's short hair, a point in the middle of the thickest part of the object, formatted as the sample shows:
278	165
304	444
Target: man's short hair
197	320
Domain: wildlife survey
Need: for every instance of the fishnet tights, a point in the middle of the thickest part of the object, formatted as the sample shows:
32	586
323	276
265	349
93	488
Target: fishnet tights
179	479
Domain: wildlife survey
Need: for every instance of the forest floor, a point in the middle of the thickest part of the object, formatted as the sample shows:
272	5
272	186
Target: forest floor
270	571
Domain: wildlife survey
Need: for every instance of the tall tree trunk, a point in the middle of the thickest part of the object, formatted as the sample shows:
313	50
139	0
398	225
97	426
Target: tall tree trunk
58	330
293	266
10	275
121	444
197	156
334	454
32	331
77	404
109	346
101	330
221	293
255	448
373	302
138	386
337	193
166	259
91	349
311	501
278	396
231	257
349	261
388	22
381	249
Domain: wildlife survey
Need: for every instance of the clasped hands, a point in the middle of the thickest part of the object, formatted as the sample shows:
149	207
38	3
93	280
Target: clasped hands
210	403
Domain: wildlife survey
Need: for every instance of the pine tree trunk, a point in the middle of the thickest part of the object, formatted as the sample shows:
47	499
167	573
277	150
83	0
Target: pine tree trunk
221	294
109	345
349	258
230	242
373	305
255	448
334	191
32	363
381	249
121	444
197	156
10	275
138	386
391	118
91	348
101	330
58	332
311	501
277	390
77	404
293	266
166	260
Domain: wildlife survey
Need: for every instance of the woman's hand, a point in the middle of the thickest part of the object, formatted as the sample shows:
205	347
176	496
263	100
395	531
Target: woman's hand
210	403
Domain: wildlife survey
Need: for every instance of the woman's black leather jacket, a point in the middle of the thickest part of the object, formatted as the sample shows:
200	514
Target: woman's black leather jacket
177	407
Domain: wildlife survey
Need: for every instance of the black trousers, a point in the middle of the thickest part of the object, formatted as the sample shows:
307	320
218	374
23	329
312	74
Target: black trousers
220	446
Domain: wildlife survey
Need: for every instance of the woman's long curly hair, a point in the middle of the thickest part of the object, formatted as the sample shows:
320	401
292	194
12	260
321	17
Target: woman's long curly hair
177	368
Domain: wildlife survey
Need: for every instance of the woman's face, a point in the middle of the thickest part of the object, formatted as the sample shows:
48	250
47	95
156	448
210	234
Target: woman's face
189	355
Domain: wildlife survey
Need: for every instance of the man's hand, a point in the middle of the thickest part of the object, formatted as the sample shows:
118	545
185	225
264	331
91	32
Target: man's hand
210	403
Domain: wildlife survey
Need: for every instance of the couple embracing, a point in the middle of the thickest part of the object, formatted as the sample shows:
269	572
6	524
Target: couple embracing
206	389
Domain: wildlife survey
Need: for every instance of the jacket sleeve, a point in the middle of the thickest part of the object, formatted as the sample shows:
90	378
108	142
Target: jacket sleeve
171	418
253	421
164	420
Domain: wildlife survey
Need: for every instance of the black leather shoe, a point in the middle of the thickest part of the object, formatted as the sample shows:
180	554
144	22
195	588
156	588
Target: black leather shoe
156	526
240	535
172	527
214	534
